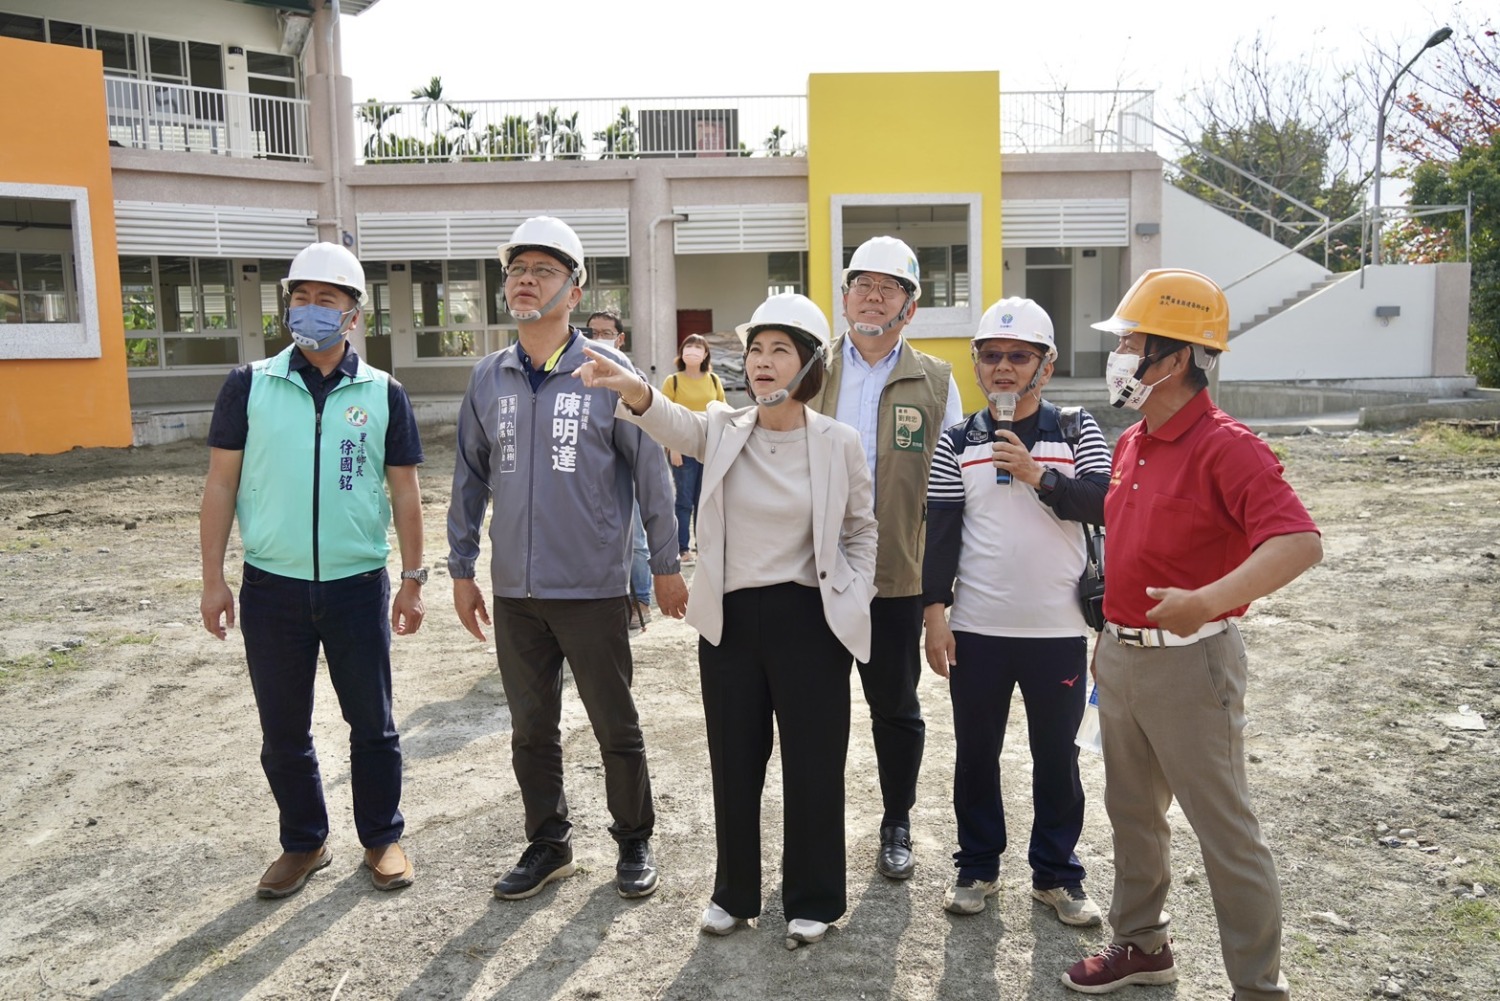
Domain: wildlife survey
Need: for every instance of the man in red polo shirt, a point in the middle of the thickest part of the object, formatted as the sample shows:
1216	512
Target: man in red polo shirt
1201	523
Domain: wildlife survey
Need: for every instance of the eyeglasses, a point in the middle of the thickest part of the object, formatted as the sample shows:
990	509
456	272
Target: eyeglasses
1017	359
889	288
541	272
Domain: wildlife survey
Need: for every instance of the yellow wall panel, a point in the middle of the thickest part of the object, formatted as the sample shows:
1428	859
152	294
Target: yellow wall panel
905	133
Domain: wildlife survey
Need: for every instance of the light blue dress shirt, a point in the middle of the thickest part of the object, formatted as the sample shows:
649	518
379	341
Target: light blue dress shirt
859	397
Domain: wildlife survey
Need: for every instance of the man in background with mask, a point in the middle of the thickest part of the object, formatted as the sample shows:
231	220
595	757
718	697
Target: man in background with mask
900	399
302	450
1201	523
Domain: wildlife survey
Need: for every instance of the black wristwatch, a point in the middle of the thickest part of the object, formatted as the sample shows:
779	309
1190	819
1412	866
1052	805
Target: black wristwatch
419	575
1050	478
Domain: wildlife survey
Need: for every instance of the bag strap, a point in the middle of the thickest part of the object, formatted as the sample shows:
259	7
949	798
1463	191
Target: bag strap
1070	423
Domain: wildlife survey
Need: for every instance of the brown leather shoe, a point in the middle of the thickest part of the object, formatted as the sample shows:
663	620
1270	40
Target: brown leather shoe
389	867
289	872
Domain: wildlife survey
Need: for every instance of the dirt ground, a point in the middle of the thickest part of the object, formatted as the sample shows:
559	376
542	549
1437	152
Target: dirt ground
135	821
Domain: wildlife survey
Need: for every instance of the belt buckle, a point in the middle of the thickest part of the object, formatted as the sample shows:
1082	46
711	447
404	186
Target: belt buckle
1132	636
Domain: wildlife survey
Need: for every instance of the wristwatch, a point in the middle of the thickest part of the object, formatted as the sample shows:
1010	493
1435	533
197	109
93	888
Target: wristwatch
1050	478
419	575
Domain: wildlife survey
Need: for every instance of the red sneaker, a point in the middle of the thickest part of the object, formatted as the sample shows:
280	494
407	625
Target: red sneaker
1119	965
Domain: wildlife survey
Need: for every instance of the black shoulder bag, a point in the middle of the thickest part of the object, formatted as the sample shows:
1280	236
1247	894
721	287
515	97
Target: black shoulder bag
1091	584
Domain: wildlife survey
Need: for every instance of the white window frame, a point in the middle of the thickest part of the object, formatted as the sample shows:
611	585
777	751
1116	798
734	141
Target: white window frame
941	321
61	340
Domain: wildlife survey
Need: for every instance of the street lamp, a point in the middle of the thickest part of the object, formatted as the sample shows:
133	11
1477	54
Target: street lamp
1438	38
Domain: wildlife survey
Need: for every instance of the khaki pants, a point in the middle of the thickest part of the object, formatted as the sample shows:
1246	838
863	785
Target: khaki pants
1173	723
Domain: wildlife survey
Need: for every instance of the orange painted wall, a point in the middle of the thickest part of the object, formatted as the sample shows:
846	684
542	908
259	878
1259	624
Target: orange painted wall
53	130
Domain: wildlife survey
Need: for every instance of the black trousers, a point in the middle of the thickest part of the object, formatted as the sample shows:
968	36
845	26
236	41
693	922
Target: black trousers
890	683
532	637
778	659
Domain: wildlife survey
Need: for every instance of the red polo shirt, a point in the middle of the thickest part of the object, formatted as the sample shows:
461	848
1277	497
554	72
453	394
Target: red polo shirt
1188	504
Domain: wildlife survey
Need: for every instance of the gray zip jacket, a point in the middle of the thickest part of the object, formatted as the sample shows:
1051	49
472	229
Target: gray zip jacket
562	473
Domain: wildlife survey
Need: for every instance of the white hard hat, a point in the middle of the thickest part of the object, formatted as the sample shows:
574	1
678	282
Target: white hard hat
790	312
886	255
554	236
328	263
1019	320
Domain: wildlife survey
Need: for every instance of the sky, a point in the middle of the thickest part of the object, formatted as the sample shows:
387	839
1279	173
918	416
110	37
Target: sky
489	49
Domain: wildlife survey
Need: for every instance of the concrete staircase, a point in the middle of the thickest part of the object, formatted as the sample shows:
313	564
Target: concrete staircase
1284	305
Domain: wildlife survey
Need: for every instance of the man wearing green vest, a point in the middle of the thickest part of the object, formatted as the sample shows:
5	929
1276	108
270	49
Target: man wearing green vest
302	450
900	399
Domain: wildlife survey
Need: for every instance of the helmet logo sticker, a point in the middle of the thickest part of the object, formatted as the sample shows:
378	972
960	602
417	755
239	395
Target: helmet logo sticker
1172	300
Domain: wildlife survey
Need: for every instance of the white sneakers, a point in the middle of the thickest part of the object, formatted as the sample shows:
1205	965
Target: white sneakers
717	921
966	895
800	931
1072	905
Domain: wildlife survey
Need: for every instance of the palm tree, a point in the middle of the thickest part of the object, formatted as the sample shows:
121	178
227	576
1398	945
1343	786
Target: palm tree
619	137
568	141
773	142
466	143
376	114
432	94
510	140
556	137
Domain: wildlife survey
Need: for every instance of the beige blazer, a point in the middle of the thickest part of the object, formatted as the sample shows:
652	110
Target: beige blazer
843	517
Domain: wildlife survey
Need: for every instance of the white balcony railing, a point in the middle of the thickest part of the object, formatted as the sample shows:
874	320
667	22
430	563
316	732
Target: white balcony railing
605	128
161	116
587	129
1076	121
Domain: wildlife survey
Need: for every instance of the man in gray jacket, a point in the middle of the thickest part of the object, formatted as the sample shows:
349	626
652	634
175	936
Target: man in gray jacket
561	473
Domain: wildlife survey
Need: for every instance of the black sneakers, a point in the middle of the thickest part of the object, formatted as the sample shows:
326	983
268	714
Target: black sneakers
541	863
635	873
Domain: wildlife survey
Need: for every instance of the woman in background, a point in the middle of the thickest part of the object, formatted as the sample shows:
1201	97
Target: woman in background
694	385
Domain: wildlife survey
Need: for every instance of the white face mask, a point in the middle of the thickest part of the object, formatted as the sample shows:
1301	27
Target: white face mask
1122	376
693	356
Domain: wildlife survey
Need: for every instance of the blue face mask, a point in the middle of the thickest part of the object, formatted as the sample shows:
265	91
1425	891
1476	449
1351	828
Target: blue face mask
316	328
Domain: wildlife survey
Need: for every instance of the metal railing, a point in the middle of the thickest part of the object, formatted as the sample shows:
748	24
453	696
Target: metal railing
1076	121
172	117
444	131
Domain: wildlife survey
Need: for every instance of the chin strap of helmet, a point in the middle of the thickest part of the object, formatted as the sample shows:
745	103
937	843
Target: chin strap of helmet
876	329
781	395
529	315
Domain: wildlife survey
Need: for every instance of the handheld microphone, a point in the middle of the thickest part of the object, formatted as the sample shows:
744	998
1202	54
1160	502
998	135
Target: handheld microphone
1003	414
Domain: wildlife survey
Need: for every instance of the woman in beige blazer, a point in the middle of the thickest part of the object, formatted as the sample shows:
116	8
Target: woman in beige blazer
781	598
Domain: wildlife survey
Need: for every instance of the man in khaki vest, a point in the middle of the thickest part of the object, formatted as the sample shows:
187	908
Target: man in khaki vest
900	399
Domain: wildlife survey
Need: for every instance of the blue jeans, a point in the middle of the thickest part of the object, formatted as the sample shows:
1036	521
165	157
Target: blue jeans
284	621
640	562
688	478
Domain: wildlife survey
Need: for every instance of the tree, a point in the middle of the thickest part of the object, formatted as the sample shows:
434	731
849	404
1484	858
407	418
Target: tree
376	115
619	137
556	137
1475	173
510	140
466	143
773	142
1453	100
433	95
1299	128
1454	135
